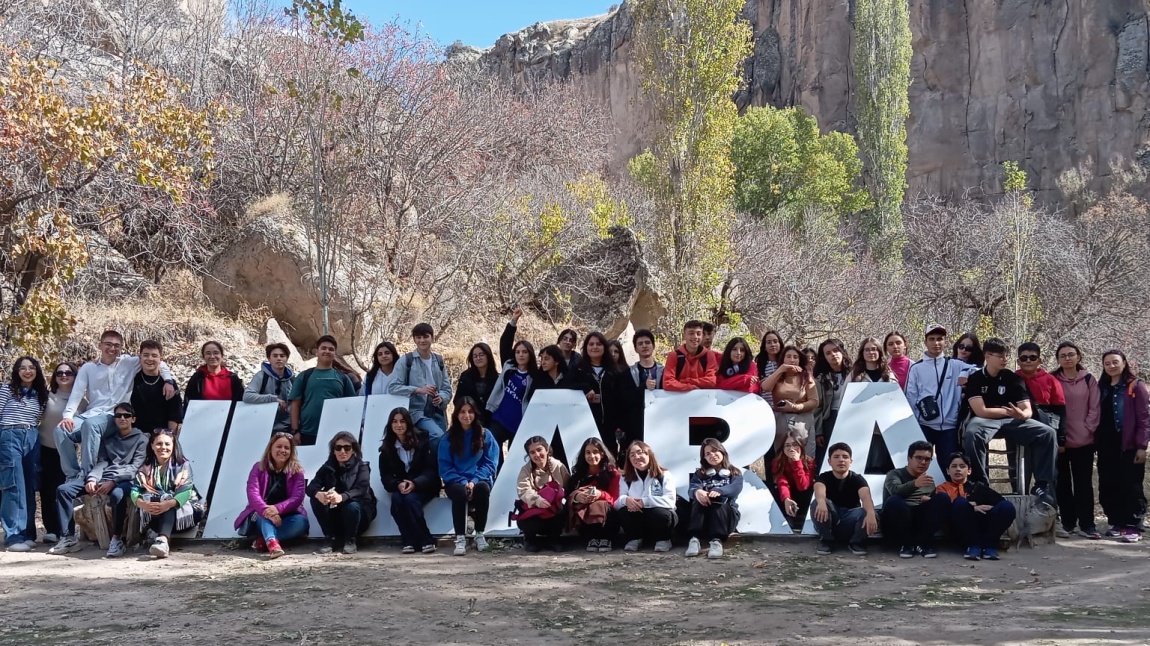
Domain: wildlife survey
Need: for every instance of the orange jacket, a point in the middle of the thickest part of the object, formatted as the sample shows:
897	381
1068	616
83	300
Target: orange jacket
693	374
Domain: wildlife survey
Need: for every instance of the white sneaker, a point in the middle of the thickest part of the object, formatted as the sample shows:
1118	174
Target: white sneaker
692	548
19	547
715	551
428	549
1061	532
66	545
30	543
51	538
632	546
481	542
408	549
662	546
159	549
460	545
116	548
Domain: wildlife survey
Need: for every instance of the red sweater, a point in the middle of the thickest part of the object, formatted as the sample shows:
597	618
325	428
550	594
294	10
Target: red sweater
797	475
747	382
219	385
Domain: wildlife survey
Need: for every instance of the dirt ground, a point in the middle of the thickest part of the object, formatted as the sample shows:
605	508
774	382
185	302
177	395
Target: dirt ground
764	592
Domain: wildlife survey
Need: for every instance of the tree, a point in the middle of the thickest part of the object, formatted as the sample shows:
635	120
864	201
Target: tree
784	166
690	55
882	53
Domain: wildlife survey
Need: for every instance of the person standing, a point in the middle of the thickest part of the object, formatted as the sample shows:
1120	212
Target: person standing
22	403
313	387
895	344
213	381
467	464
272	385
1122	436
422	378
934	388
1076	455
51	475
153	410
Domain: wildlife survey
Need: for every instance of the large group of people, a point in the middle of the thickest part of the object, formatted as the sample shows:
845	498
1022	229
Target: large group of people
111	428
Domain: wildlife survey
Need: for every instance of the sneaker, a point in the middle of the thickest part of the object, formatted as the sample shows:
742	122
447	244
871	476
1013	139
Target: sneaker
30	543
662	546
460	545
605	545
349	547
1114	532
159	549
531	547
1044	502
428	549
1061	532
593	545
990	554
408	549
1092	534
857	549
116	548
259	545
824	548
632	546
715	551
906	552
66	545
972	554
928	552
692	548
1132	535
50	538
274	549
481	542
19	547
326	548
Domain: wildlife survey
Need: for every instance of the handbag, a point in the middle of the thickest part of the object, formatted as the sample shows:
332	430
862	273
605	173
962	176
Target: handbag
927	407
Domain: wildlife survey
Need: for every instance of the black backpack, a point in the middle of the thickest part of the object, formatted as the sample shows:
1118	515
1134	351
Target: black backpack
682	359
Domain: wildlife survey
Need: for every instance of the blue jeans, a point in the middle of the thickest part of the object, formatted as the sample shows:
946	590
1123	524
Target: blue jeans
435	427
118	499
19	464
88	433
292	526
842	524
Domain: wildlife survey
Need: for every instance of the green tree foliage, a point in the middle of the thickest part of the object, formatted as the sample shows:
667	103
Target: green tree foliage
882	52
690	55
783	164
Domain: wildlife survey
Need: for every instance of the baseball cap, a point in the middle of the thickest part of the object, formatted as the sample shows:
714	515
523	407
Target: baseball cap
934	328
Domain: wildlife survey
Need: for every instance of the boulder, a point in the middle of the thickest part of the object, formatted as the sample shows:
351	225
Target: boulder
606	286
273	333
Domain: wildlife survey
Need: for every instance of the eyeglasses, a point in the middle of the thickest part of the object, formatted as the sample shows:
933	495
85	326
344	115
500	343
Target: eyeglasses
342	448
925	459
64	373
966	348
1028	357
124	416
113	346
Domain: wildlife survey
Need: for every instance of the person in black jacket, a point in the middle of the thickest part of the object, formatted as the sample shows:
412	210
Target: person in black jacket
979	515
478	380
341	495
609	388
213	380
411	475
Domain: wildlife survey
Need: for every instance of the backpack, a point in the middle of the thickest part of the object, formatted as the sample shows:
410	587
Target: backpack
682	358
413	355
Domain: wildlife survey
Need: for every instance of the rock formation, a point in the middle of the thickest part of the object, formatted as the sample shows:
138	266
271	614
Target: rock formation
1050	84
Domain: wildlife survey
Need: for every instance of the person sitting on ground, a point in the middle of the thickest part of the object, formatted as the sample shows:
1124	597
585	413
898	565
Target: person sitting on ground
153	409
843	508
22	404
313	387
1001	406
542	481
591	493
120	457
978	514
477	381
213	380
382	371
794	472
51	475
646	500
276	490
737	371
410	473
341	496
272	385
467	464
912	513
690	366
421	376
165	493
715	487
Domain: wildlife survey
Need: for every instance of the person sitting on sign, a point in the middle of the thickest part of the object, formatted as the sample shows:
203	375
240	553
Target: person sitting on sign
276	491
715	487
591	491
911	510
843	509
794	472
410	473
341	496
539	511
467	464
979	515
164	492
646	500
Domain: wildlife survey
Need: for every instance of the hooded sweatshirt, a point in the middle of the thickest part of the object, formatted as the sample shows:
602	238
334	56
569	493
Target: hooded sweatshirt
266	387
222	386
693	374
120	457
1082	408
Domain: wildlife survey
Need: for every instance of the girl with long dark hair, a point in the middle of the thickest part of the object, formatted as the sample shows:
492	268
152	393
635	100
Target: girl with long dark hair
895	345
646	501
713	491
832	373
1123	431
591	491
541	484
22	404
382	371
737	371
164	492
1076	458
769	358
609	389
410	473
468	460
871	364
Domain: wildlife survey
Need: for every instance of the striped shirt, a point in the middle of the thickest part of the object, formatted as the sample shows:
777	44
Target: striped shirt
24	410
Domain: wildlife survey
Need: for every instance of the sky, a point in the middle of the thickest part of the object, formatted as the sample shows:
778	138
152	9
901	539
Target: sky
475	22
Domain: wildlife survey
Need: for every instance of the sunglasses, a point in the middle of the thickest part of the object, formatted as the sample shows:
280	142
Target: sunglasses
966	348
343	447
1028	357
123	416
161	431
64	373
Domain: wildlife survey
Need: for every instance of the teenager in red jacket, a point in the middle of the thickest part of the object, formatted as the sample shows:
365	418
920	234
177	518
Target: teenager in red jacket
794	472
698	367
737	371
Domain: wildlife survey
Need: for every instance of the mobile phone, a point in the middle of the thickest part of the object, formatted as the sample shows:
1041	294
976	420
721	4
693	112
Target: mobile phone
782	403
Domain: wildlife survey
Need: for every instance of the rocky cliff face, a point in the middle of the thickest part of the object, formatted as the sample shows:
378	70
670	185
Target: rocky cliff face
1049	83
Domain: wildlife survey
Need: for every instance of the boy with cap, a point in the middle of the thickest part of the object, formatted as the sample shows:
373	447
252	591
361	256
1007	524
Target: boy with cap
934	390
